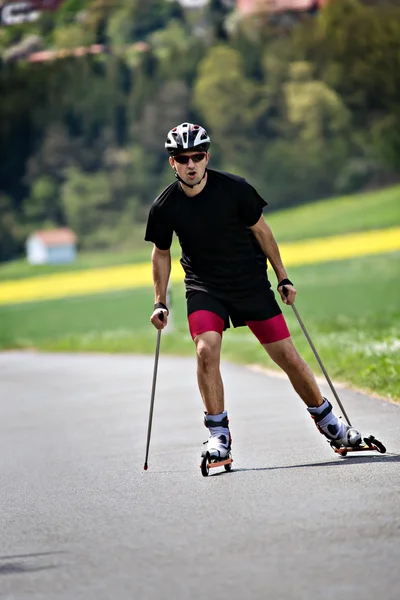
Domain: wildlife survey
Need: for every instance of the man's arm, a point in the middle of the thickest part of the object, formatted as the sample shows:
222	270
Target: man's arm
268	244
161	268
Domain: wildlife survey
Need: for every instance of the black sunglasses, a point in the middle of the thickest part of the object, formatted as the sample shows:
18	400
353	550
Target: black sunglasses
183	159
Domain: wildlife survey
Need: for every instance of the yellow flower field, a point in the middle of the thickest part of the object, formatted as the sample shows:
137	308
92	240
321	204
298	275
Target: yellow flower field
93	281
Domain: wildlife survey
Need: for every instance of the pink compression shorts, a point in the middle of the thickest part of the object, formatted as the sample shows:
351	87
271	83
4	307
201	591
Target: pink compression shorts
266	331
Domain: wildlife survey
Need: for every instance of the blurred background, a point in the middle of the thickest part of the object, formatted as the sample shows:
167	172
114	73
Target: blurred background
301	97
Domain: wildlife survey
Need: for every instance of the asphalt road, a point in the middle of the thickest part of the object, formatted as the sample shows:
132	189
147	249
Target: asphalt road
81	520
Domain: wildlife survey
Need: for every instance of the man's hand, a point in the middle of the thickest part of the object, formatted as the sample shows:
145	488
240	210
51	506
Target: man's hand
288	293
155	318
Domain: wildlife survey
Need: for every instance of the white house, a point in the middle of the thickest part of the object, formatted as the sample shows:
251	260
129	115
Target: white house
193	3
276	6
51	246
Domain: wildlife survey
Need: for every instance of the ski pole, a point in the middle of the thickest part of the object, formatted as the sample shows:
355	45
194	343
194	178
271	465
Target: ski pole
328	379
153	391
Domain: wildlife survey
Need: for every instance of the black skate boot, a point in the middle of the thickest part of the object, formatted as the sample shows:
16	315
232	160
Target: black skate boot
219	442
342	437
217	452
338	433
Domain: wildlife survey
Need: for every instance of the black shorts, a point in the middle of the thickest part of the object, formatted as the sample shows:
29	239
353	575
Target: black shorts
257	307
260	312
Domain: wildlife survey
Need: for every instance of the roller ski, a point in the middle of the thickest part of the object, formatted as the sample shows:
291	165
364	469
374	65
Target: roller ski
368	443
217	451
341	437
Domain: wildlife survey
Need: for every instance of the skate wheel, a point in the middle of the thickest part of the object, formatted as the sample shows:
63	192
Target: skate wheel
375	444
205	469
228	467
379	446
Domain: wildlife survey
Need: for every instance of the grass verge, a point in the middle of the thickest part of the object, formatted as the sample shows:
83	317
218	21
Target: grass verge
350	309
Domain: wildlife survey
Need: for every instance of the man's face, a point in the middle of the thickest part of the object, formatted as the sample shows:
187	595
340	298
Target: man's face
193	167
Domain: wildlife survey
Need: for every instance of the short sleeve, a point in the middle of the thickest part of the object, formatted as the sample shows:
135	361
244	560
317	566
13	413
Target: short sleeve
251	204
158	229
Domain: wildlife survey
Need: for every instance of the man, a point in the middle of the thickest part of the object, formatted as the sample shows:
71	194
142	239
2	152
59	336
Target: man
225	244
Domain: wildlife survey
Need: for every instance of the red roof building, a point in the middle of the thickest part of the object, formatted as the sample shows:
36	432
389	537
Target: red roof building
51	246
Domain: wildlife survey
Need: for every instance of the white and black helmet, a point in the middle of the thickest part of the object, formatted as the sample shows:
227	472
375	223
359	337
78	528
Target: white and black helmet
185	137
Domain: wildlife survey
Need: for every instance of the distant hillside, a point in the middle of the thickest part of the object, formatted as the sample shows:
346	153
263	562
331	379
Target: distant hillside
347	214
89	91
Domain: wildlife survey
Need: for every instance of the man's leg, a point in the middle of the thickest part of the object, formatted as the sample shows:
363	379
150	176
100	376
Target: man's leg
206	328
275	338
285	355
208	349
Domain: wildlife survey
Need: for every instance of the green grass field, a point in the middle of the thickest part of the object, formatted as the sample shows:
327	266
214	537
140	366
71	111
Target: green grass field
350	308
20	269
360	212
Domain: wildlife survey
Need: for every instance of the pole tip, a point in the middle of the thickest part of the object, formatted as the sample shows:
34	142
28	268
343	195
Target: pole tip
145	466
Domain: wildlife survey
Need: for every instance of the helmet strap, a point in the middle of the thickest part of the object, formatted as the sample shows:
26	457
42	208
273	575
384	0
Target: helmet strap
188	184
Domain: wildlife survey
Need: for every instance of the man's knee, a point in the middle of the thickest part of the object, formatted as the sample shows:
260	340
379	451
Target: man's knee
285	354
208	348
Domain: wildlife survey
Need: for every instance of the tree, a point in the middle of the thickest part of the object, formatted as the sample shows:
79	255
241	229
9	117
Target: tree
313	146
87	202
356	49
167	109
225	99
43	203
133	21
315	112
11	233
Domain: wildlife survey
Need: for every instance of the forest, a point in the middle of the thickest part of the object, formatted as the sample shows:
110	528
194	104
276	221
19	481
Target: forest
303	110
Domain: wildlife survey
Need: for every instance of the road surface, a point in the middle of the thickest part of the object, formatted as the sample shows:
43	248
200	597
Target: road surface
81	520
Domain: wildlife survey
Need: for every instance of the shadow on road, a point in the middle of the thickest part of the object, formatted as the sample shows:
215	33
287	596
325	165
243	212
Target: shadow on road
18	568
340	461
13	565
33	555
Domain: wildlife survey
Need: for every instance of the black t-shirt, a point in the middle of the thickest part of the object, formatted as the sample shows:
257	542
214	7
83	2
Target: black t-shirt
219	252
